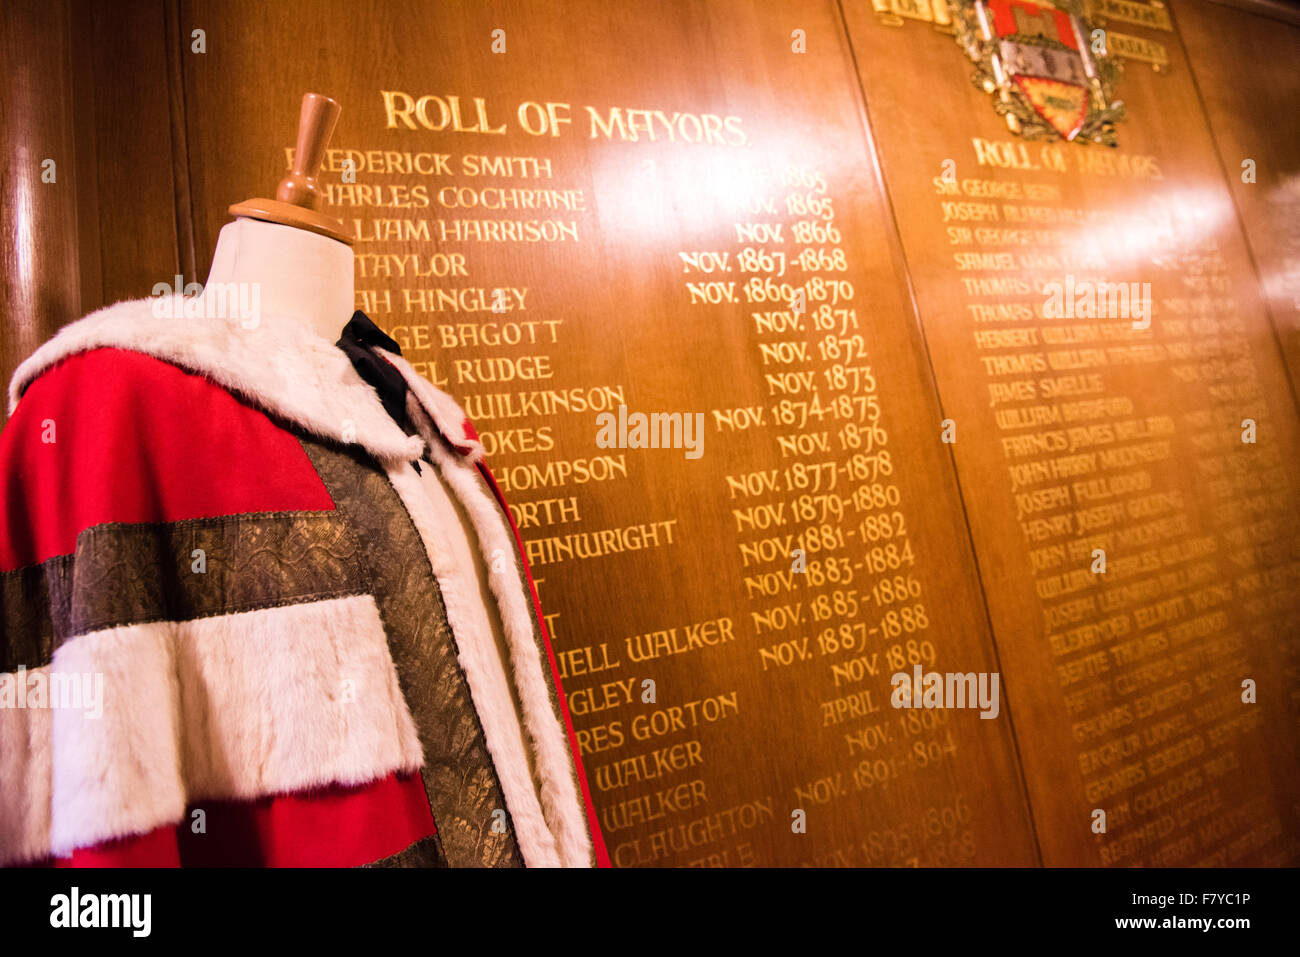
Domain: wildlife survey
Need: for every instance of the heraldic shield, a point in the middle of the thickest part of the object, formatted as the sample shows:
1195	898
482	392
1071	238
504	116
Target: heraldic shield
1049	74
1039	49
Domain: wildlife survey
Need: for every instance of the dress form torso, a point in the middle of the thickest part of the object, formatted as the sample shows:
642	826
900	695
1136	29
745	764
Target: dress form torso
300	275
307	278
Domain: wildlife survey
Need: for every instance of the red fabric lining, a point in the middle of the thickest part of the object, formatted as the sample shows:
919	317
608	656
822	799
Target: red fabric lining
127	449
335	827
158	848
137	439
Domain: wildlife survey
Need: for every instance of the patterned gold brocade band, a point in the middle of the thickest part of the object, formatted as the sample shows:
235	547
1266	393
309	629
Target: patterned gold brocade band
130	574
474	825
426	852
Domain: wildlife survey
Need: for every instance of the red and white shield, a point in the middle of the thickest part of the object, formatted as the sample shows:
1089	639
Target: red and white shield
1039	51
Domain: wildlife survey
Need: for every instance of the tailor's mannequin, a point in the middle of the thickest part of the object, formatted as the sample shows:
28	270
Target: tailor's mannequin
305	277
300	275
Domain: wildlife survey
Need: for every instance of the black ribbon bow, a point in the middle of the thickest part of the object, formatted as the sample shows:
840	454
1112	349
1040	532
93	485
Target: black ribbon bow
360	337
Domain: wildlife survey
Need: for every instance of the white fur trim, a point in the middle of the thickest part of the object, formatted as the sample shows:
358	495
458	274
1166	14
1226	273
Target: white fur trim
563	807
280	366
477	655
311	687
25	739
445	414
235	706
118	774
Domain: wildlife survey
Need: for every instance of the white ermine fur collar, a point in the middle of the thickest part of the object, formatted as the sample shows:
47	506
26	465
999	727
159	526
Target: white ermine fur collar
279	366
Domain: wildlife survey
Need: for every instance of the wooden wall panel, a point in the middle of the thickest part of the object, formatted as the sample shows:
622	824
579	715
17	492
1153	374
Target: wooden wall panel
1245	70
85	84
39	259
135	157
711	157
1079	433
661	292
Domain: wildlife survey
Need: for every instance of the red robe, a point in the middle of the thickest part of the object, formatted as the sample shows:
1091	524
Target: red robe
229	633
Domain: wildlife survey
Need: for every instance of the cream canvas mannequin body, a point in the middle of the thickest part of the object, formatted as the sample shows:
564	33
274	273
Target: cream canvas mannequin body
298	274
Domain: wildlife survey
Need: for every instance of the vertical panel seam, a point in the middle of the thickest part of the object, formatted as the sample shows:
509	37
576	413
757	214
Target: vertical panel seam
183	197
873	157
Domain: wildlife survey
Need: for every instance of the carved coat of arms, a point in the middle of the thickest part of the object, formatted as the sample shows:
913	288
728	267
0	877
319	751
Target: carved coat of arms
1050	66
1044	67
